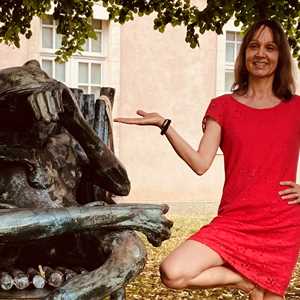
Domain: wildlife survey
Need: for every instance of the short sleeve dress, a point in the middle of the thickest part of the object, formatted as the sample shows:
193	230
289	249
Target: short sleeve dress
256	232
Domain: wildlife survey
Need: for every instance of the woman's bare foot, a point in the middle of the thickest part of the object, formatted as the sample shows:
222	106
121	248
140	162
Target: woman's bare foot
256	294
253	291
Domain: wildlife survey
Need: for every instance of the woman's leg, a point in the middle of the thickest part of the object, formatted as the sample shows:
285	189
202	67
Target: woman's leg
194	264
187	261
220	276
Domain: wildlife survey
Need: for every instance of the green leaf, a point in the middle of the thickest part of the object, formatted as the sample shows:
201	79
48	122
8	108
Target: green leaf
161	29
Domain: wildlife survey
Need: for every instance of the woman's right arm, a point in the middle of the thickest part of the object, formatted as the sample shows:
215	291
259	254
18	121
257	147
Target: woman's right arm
200	160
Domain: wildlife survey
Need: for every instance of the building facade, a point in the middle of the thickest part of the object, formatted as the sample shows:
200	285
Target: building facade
154	72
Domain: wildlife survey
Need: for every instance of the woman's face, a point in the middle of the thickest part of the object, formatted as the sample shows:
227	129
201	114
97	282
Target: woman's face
262	54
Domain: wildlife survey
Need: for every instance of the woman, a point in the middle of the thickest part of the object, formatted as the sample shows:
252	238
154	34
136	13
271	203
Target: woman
253	242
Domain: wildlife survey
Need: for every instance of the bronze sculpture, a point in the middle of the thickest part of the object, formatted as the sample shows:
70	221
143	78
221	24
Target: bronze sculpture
49	155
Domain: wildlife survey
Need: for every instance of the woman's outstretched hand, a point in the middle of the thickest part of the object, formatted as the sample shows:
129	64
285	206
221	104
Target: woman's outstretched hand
153	119
291	194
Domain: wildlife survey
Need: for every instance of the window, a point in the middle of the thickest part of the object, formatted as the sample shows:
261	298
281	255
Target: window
50	42
233	42
92	45
50	39
85	70
54	69
89	77
228	45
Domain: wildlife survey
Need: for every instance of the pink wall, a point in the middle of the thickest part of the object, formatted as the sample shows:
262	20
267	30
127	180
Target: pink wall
160	72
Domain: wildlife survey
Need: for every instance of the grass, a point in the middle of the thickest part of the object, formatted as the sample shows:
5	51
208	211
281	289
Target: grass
147	285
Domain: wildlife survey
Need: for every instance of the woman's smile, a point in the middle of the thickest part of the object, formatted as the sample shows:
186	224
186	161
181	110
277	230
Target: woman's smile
260	64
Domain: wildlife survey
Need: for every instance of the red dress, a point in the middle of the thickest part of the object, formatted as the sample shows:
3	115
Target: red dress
257	232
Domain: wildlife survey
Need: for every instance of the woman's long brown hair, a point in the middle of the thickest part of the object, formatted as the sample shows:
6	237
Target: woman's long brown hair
283	84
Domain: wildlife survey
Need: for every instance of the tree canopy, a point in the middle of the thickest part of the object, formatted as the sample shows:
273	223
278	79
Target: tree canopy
74	18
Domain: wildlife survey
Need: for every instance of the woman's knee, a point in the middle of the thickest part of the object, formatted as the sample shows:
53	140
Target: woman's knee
171	276
173	270
176	275
186	262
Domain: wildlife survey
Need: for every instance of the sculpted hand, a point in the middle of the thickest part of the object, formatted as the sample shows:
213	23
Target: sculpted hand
291	194
153	119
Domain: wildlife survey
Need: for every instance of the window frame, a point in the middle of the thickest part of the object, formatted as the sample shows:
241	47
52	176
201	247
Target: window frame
52	59
222	65
53	26
229	66
90	40
72	65
89	85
